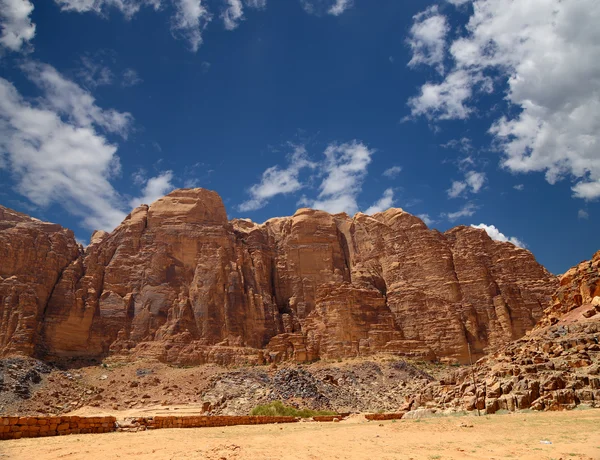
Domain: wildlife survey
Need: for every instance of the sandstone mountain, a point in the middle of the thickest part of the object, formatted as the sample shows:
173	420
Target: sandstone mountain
179	282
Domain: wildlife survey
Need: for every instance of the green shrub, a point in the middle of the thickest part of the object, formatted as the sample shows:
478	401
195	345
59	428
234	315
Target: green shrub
278	409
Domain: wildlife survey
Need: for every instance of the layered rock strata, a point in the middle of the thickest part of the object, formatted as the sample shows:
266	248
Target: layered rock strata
179	282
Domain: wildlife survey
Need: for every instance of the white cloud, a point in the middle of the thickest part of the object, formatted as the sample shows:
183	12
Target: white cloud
475	180
458	187
342	171
448	100
345	168
519	187
277	181
428	38
155	188
428	220
497	235
339	7
15	23
385	202
322	7
583	214
473	183
189	21
68	99
547	52
56	149
458	2
54	161
467	210
233	14
392	172
128	7
130	78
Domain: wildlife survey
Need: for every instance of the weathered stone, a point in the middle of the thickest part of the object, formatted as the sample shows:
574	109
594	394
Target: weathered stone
178	282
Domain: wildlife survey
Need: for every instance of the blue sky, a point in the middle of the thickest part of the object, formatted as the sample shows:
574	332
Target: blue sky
464	112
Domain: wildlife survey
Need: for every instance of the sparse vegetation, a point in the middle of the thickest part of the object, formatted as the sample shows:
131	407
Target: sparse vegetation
277	409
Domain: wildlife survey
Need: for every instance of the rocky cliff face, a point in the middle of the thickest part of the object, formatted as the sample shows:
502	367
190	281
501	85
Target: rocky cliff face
33	255
179	282
555	366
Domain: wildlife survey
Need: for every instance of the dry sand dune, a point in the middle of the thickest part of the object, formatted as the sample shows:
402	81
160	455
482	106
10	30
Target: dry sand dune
574	434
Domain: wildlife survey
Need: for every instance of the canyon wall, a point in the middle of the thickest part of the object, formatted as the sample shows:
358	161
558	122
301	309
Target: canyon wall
179	282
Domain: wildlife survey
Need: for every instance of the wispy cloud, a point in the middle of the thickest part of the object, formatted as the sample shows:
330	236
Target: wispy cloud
276	181
467	210
392	172
385	202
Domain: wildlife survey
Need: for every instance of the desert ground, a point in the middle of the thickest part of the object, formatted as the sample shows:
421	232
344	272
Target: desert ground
549	435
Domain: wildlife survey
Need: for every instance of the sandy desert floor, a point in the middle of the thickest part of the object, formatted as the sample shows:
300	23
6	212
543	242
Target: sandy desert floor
574	434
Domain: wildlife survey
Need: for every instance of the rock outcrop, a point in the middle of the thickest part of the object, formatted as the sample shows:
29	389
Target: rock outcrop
177	281
33	255
555	366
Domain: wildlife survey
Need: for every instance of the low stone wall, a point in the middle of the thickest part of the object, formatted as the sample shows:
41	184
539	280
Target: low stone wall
152	423
396	416
33	427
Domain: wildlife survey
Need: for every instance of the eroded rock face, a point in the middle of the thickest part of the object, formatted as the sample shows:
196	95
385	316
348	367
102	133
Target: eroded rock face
179	282
555	366
33	254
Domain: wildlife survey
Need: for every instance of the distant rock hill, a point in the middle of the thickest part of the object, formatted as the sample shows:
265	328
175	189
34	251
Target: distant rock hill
179	282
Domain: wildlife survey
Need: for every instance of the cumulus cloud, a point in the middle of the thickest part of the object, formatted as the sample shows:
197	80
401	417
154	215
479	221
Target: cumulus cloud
392	172
276	181
189	21
385	202
467	210
473	183
54	161
497	235
529	47
155	188
70	100
341	174
345	168
15	24
233	14
427	38
57	152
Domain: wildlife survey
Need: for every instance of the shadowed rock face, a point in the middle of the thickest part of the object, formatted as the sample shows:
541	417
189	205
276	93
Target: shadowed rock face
33	254
179	282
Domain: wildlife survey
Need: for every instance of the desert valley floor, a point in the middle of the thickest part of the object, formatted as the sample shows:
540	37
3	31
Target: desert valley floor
548	435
